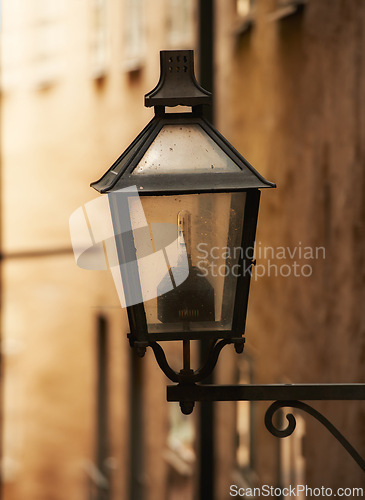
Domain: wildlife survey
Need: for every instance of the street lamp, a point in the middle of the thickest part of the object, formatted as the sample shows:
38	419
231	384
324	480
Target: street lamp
183	207
183	174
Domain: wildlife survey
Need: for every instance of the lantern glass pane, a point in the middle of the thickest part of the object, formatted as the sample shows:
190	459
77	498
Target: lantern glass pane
180	149
195	240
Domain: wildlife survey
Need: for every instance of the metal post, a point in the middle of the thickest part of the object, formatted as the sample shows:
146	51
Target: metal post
206	415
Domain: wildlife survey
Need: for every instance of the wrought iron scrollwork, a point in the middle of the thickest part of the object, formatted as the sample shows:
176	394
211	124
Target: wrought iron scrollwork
287	431
187	391
186	376
163	363
202	373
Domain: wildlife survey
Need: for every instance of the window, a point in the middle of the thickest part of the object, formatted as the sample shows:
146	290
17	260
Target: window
244	7
47	39
98	470
180	23
286	8
244	15
102	393
243	474
13	409
180	454
33	45
134	35
243	418
98	38
137	440
292	462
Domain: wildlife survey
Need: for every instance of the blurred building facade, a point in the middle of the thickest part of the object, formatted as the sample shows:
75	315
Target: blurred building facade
83	418
73	79
290	83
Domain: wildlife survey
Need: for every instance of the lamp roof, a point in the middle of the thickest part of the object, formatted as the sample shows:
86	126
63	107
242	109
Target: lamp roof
180	152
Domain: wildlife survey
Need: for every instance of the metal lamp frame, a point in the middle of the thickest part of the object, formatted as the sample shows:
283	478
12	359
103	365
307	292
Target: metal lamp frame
177	86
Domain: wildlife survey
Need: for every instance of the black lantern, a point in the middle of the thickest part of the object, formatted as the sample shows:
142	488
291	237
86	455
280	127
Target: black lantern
181	191
182	209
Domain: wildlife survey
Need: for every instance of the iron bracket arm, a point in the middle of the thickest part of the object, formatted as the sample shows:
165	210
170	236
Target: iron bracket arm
283	395
269	392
